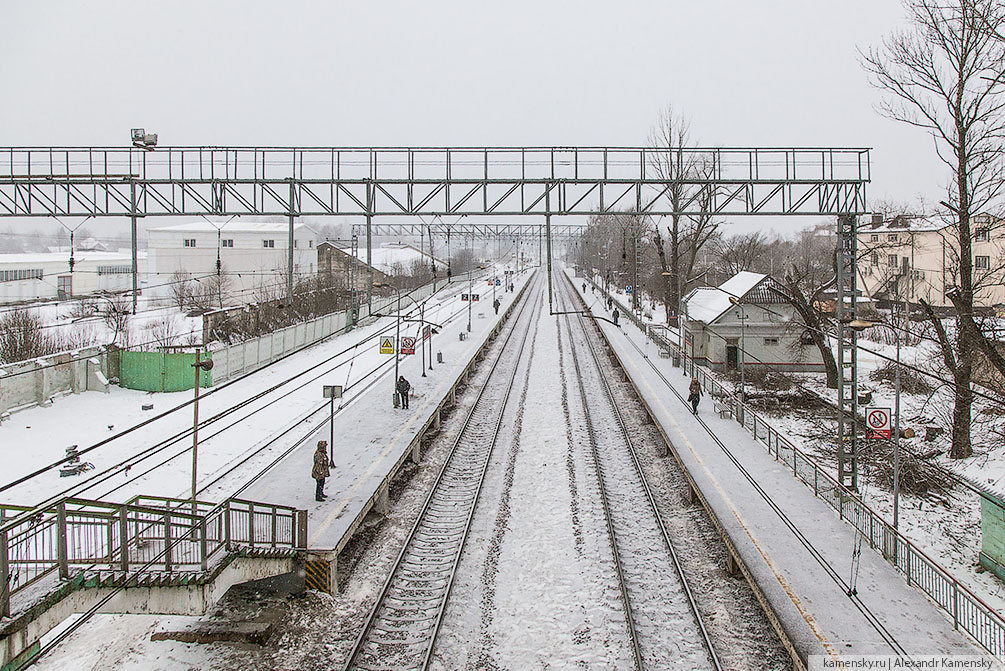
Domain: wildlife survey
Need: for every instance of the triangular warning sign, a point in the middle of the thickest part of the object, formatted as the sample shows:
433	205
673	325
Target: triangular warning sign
386	346
386	343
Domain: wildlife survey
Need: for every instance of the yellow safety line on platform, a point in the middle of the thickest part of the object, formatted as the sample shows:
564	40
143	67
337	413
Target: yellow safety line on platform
796	601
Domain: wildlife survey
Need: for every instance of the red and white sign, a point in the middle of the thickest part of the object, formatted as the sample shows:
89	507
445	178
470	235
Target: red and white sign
408	346
425	332
877	423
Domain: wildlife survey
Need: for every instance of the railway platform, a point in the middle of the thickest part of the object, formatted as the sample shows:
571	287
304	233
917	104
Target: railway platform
792	544
373	439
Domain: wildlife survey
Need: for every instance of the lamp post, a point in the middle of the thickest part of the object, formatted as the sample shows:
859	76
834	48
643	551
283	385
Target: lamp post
199	365
470	294
860	325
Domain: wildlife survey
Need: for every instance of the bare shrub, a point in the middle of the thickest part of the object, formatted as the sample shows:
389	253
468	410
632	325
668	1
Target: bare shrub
23	336
910	381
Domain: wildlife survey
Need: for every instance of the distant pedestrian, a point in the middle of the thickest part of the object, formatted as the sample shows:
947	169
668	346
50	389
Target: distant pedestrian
610	302
321	470
496	305
616	314
694	394
403	387
512	288
584	287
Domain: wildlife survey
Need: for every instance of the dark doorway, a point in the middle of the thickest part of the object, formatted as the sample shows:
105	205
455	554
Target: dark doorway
732	359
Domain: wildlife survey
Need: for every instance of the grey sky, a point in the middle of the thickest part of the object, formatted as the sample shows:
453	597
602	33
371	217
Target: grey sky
748	72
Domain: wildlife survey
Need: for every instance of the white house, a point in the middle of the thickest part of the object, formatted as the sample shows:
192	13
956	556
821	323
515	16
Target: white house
47	275
253	255
757	327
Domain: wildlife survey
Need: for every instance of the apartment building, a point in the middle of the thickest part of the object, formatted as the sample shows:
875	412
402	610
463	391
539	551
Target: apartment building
913	258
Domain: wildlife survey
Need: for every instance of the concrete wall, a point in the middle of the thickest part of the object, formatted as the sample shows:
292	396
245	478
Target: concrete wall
243	357
34	382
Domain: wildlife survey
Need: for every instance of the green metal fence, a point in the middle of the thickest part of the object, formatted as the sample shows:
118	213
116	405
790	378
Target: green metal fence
160	371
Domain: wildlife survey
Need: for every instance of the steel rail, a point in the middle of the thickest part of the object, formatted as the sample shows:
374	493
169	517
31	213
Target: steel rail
871	618
642	480
445	567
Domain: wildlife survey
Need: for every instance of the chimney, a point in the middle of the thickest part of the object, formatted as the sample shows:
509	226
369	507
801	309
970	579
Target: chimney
877	220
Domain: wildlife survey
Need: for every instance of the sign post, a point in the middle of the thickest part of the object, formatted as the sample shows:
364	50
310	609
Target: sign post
332	391
877	423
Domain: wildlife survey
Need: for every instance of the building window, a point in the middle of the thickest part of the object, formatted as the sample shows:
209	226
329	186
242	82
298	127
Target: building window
268	243
115	270
874	237
770	342
982	234
892	260
296	243
310	244
20	274
892	237
229	242
875	258
190	242
982	262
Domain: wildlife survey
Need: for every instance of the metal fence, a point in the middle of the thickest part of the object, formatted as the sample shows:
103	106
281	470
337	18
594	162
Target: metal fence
145	534
966	609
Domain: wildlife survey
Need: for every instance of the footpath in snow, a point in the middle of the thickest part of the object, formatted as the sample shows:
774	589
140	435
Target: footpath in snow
797	549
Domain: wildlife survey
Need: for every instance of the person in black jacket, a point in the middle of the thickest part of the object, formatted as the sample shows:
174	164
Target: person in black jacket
403	387
615	314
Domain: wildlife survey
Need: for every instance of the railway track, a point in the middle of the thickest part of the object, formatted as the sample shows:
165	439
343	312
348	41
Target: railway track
402	626
654	588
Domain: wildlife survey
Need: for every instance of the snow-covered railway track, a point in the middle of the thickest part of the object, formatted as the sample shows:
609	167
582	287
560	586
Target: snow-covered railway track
403	623
654	588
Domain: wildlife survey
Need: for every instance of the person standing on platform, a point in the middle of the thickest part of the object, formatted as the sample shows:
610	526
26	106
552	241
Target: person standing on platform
321	470
616	314
496	305
694	394
403	387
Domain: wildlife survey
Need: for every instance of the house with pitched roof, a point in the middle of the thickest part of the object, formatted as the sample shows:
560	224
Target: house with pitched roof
747	320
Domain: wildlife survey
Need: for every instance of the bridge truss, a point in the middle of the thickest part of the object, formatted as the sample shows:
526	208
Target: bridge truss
446	182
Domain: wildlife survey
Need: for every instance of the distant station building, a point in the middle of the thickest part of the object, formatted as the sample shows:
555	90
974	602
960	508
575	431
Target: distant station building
49	275
254	256
757	320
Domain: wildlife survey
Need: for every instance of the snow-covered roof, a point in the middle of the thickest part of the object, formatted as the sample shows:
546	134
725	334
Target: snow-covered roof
235	226
706	304
387	256
903	225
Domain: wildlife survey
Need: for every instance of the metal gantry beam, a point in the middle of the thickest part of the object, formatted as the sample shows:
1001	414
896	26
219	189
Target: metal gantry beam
436	181
483	230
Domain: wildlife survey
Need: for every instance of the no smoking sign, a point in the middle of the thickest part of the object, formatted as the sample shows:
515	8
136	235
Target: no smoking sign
877	423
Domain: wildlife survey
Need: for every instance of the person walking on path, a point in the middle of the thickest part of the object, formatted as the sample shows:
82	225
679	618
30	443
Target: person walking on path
616	314
584	287
694	394
496	305
321	470
403	387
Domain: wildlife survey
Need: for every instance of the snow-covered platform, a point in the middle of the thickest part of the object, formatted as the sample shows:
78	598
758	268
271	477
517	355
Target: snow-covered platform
373	439
793	545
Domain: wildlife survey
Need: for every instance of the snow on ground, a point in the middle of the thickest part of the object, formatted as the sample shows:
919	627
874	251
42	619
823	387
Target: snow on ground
947	528
88	418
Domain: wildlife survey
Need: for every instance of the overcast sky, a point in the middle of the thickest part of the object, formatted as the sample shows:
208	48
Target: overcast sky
520	72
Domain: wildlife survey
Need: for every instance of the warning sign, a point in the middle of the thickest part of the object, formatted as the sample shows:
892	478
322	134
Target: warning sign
877	423
386	346
408	345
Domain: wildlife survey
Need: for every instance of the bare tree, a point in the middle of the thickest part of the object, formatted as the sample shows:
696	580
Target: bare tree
944	74
736	253
676	163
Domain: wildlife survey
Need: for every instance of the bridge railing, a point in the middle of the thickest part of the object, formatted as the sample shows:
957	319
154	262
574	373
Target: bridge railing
967	610
153	534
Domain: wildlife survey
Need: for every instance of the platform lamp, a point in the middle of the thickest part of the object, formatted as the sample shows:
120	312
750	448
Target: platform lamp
199	366
331	391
